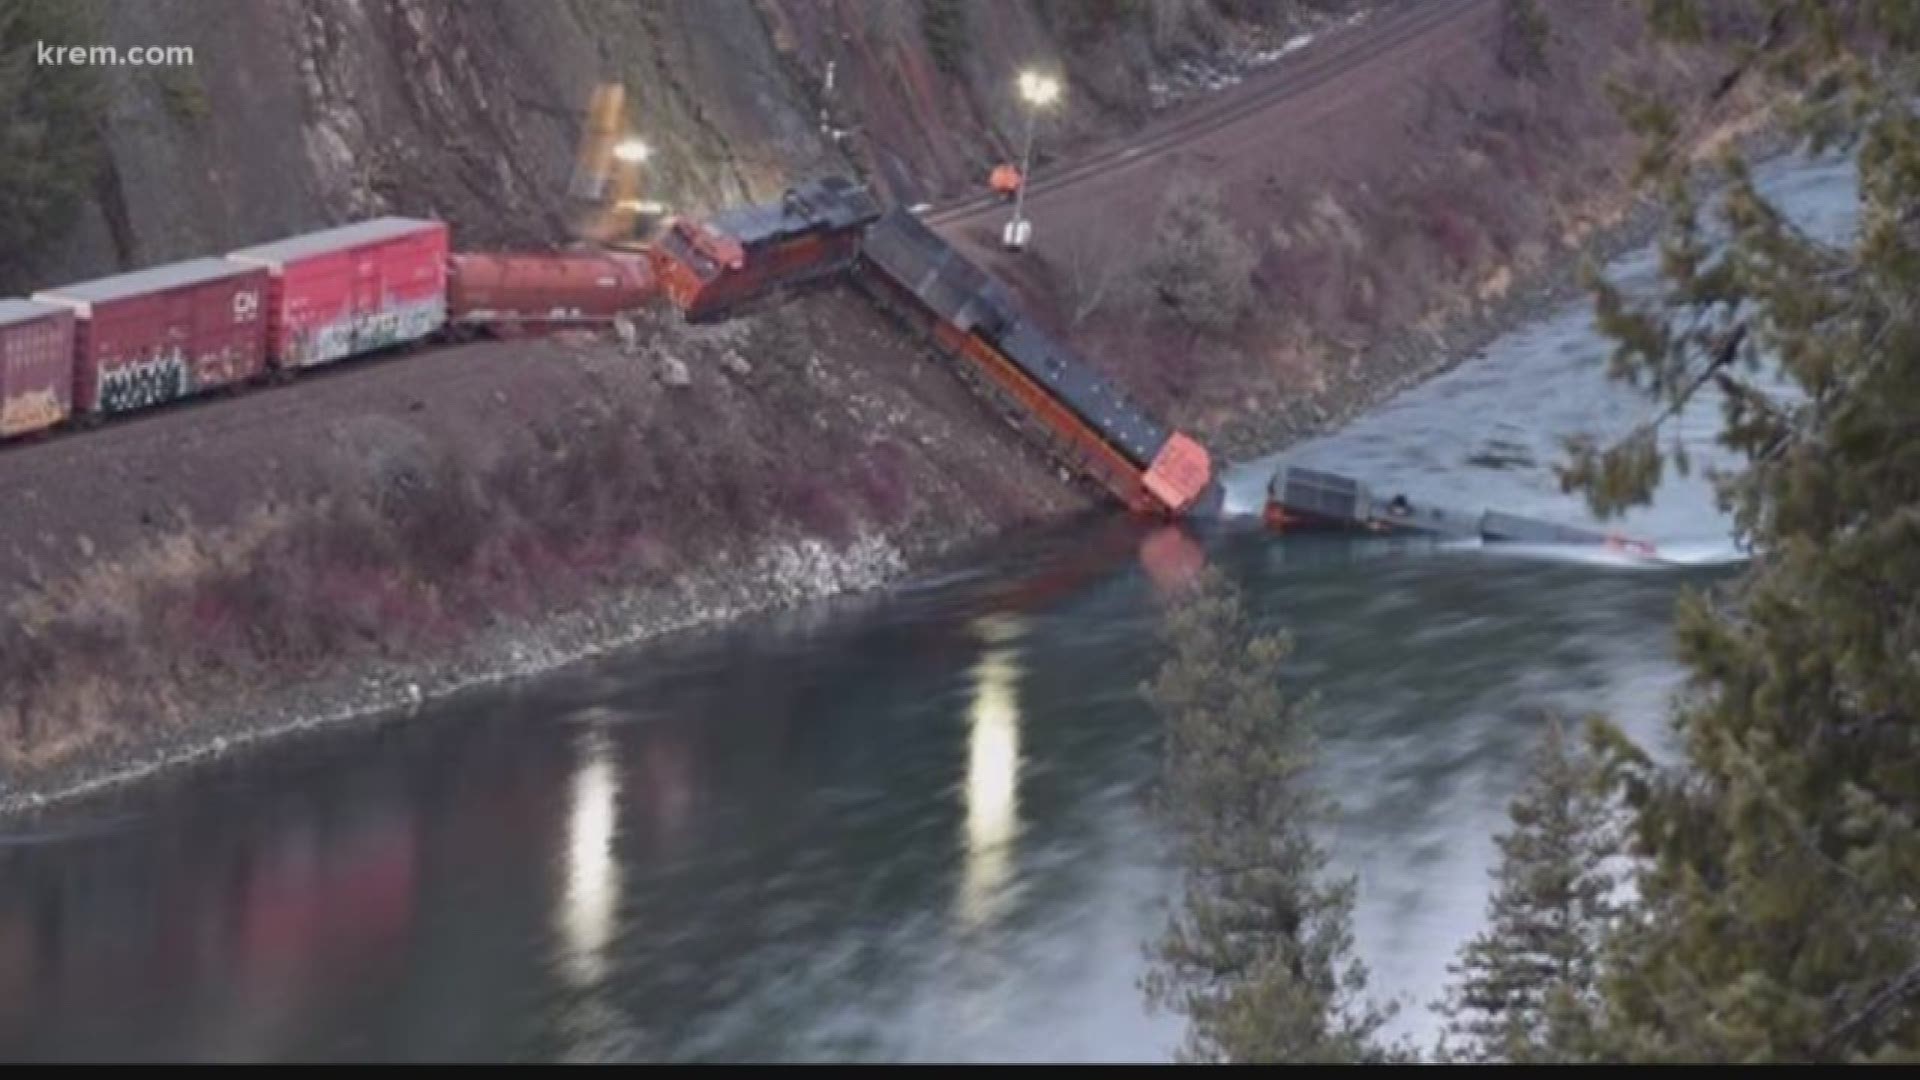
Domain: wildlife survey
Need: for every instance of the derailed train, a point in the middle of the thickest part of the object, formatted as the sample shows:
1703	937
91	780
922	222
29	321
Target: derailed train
832	226
139	340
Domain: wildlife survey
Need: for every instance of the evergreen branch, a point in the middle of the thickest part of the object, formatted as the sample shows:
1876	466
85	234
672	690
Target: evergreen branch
1724	354
1890	995
1776	27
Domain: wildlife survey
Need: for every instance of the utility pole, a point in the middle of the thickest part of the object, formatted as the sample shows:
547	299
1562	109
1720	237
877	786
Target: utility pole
1037	91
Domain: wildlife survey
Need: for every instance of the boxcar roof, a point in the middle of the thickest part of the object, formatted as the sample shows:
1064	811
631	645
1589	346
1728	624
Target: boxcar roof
319	243
19	311
142	282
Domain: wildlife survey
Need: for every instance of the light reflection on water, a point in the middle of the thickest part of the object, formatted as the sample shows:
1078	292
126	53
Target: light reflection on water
593	874
992	784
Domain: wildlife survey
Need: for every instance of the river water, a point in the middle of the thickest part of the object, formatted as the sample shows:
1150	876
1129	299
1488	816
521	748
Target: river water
903	826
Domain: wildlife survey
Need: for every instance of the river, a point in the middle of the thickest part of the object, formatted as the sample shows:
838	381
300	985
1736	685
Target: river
900	826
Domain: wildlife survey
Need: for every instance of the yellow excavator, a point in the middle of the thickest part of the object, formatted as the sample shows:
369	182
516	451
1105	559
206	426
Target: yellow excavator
605	207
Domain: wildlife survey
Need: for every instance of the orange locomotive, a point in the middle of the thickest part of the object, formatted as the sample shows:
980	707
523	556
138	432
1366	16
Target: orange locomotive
708	268
1092	425
823	227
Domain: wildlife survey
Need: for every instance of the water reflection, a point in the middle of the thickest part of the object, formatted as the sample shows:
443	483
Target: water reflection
319	906
591	904
993	771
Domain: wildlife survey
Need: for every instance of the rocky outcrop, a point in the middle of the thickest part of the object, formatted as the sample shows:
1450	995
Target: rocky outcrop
297	114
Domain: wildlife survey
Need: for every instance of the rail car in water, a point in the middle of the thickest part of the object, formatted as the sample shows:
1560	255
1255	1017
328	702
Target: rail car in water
1300	499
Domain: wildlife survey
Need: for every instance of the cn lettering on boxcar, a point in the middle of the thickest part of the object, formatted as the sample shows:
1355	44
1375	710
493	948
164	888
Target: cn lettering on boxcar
146	338
353	290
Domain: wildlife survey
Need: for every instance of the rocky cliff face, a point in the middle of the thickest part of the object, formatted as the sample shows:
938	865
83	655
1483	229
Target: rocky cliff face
297	114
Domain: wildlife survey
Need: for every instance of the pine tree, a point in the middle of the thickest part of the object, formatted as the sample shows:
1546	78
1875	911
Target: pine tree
49	120
1779	918
1526	988
1258	955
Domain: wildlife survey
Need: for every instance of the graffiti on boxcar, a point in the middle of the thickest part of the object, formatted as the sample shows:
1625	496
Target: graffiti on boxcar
408	322
365	332
30	411
318	344
144	383
219	368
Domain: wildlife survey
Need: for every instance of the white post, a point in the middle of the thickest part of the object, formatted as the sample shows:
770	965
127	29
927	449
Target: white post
1037	91
1026	164
1017	229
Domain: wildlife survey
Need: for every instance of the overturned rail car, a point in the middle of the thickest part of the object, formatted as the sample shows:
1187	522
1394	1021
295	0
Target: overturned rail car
1090	424
1300	499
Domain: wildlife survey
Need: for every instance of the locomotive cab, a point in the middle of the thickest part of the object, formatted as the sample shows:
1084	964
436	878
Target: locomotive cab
690	258
814	229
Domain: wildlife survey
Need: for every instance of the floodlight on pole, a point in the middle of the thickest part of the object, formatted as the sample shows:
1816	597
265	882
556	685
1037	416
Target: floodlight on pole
1039	92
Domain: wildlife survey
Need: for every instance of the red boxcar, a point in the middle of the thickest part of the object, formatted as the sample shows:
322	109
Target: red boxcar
539	291
151	336
36	366
351	290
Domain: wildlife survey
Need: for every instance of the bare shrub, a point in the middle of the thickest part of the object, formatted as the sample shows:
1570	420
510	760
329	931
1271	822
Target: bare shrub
1524	34
1096	270
1199	265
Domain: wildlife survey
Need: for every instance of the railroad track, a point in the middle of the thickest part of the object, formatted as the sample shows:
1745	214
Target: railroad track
53	455
1269	89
